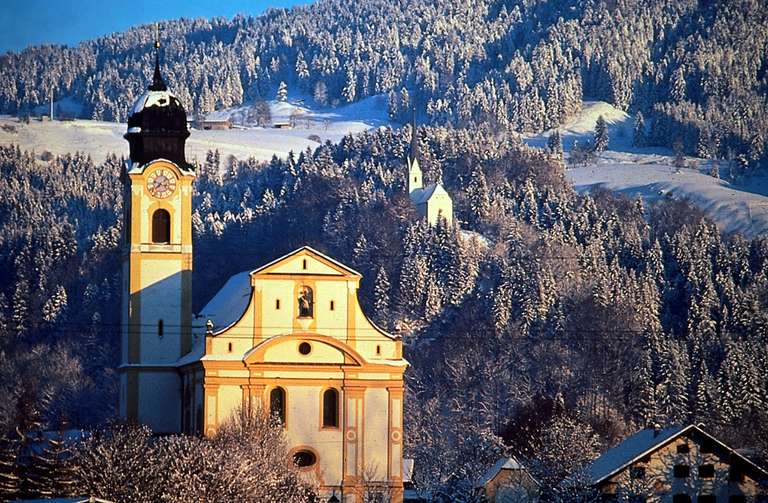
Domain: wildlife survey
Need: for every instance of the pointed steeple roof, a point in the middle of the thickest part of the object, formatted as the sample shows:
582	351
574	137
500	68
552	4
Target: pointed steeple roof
414	139
158	84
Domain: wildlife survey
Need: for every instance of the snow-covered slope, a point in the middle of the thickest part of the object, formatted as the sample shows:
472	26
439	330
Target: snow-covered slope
650	173
100	138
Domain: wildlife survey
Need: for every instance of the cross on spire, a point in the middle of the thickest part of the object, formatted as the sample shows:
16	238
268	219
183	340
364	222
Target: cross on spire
158	84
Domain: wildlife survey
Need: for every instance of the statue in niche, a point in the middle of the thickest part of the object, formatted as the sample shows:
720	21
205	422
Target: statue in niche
305	302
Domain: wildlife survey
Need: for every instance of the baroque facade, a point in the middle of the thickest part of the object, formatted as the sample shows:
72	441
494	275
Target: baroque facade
288	337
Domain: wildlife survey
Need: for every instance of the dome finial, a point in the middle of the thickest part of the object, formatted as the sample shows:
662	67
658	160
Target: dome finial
158	84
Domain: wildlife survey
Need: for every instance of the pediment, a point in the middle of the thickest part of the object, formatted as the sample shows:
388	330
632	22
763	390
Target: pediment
306	260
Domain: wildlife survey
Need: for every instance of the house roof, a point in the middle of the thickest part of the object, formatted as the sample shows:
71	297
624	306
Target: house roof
645	442
509	463
230	302
419	196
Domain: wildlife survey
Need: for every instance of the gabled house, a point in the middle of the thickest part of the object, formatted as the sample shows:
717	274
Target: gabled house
509	481
677	465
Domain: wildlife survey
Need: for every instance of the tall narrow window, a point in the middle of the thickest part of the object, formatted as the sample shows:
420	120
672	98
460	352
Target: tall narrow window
330	408
277	403
161	226
159	328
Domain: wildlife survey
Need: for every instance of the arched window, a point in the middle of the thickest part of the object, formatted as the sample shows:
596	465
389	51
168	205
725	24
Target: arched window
330	408
161	226
277	403
306	302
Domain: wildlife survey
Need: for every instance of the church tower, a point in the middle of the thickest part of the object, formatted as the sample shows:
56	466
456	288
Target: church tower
414	171
157	259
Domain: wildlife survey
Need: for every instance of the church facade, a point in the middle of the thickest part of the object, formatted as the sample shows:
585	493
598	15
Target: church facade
288	338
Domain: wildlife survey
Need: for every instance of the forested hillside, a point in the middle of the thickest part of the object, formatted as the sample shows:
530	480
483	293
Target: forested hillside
696	70
552	319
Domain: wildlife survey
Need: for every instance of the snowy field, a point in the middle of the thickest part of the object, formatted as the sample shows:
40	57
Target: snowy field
650	173
101	138
637	172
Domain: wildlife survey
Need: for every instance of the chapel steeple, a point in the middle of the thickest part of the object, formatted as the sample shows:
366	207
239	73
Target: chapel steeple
414	171
157	124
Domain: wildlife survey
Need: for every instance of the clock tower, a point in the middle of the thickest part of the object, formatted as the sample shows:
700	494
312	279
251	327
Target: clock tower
157	259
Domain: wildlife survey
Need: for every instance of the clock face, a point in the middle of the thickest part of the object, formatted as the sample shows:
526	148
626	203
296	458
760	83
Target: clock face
161	183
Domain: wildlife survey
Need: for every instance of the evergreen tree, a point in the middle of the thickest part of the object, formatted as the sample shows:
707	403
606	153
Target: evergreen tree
601	135
677	88
381	292
11	470
282	92
555	144
432	301
321	93
638	133
302	70
478	196
50	472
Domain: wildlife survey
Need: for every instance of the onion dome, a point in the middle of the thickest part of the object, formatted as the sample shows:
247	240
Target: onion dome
157	124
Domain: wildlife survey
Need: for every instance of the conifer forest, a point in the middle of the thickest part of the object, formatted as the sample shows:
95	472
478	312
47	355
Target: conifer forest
548	324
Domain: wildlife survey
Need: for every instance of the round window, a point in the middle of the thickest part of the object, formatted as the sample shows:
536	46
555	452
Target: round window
305	348
303	459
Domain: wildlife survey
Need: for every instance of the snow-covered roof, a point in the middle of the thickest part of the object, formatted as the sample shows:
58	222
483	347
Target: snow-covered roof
509	463
153	99
419	196
643	443
132	167
229	303
630	450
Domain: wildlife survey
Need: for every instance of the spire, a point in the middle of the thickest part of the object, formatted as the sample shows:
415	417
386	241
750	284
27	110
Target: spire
158	84
414	138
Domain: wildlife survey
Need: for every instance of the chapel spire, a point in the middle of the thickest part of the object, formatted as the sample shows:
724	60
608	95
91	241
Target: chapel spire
414	139
158	84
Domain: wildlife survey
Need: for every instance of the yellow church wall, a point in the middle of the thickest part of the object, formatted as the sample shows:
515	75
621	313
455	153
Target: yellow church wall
303	428
439	205
159	288
230	398
276	320
376	433
332	322
288	350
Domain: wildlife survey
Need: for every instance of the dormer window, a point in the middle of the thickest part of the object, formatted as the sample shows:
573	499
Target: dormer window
306	302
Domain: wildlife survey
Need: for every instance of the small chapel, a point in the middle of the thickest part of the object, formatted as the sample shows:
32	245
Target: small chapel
433	203
288	337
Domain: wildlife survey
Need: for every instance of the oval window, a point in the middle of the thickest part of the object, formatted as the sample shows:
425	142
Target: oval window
305	348
303	459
